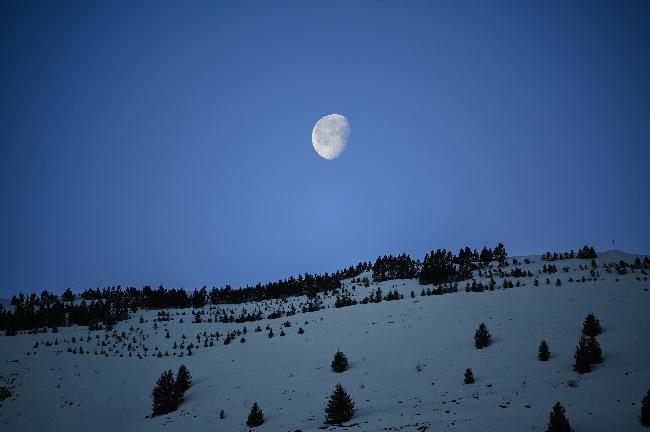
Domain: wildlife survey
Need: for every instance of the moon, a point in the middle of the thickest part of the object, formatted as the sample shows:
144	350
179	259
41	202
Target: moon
330	136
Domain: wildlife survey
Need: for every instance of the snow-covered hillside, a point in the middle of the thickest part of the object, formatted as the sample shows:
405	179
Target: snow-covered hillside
407	359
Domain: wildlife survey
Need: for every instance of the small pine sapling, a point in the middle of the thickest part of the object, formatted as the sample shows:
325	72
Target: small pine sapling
255	417
543	353
469	376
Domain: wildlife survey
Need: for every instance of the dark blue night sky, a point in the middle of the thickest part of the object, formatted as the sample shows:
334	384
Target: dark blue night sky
170	142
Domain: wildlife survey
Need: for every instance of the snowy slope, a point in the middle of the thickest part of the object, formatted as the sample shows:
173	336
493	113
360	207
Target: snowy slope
407	359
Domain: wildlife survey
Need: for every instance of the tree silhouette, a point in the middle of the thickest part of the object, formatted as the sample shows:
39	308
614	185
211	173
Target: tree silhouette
482	337
164	400
340	407
469	376
543	354
557	420
255	417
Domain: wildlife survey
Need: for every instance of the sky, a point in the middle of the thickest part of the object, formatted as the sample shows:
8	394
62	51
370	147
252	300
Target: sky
148	143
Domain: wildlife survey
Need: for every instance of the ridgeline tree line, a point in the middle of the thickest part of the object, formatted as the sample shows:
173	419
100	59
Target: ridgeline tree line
113	304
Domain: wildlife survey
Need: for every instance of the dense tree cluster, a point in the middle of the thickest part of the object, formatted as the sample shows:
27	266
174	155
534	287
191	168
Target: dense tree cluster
169	392
499	254
549	269
441	266
440	290
102	308
638	264
309	285
33	312
558	256
113	304
588	352
344	300
438	267
587	252
391	267
48	310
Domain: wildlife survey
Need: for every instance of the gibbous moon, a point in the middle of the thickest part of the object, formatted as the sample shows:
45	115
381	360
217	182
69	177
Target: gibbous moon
330	136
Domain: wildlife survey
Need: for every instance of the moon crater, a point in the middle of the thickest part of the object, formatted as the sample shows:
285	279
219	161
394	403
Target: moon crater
330	136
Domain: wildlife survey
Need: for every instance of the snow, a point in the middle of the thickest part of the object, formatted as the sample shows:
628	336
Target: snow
290	377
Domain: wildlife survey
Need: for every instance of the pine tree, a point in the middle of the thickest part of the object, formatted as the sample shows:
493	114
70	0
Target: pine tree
557	420
645	410
182	383
340	362
595	354
163	394
543	354
469	376
499	253
591	326
582	358
340	407
67	295
482	337
222	414
5	393
255	417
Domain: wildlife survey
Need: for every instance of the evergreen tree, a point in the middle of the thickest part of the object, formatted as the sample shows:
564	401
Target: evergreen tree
163	394
378	295
222	414
499	253
67	295
486	255
582	358
645	410
595	354
340	407
255	417
543	354
587	252
591	326
482	337
5	393
437	267
182	383
469	376
340	362
557	420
